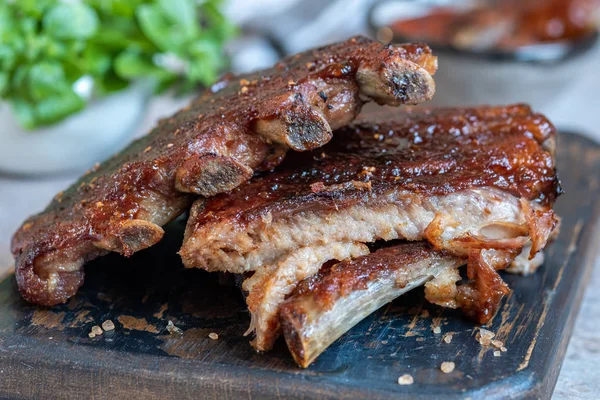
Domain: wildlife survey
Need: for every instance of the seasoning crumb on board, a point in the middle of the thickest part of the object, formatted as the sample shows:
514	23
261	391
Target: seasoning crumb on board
484	337
447	367
405	379
108	325
497	353
96	330
448	337
172	329
213	336
437	330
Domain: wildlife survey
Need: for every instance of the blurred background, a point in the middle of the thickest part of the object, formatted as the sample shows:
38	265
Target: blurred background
81	79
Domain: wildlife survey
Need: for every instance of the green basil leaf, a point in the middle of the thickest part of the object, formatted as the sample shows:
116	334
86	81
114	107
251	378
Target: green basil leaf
183	14
46	79
154	25
116	7
131	66
3	83
170	35
8	58
35	8
95	60
199	71
28	27
46	45
165	83
73	71
219	27
56	50
24	112
19	77
71	21
206	48
111	83
55	108
36	46
7	23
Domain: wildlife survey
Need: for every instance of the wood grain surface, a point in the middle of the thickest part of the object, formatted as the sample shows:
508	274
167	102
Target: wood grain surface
46	353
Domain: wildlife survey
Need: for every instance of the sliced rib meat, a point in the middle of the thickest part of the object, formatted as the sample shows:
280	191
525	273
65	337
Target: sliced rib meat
240	125
268	287
478	183
325	306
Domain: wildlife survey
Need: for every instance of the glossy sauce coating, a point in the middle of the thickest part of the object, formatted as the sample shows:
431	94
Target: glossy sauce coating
211	146
437	151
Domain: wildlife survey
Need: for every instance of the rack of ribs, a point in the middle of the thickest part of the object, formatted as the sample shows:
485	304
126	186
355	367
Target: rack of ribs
476	183
240	125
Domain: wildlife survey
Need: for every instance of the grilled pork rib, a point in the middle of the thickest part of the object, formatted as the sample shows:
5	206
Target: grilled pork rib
240	125
326	305
478	183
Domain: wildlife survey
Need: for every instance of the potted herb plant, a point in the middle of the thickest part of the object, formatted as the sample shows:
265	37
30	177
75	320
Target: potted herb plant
75	75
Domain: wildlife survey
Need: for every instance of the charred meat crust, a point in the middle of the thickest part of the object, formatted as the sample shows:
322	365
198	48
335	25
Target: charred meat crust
240	125
419	155
477	183
328	304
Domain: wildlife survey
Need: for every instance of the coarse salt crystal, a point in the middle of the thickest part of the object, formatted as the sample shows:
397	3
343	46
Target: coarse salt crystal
96	330
405	379
108	325
447	367
484	336
172	329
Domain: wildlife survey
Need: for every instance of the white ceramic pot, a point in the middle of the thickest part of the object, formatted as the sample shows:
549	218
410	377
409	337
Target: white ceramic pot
76	143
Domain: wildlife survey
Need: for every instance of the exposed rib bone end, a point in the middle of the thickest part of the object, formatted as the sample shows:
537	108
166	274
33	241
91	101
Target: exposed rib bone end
405	83
131	236
302	128
210	174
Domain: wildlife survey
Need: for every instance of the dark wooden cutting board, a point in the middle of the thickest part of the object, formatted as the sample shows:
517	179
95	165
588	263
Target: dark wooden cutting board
46	353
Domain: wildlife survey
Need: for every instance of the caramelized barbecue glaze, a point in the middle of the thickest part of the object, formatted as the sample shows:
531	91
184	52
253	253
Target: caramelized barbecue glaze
240	125
429	152
437	151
